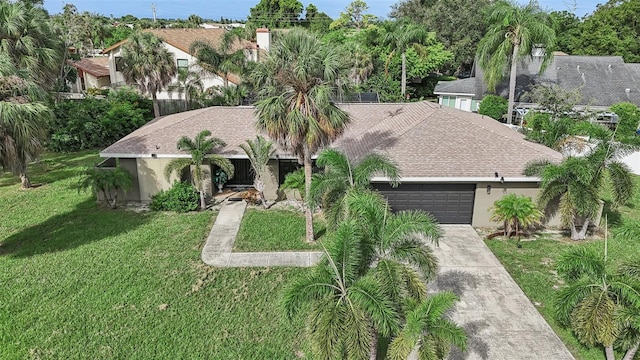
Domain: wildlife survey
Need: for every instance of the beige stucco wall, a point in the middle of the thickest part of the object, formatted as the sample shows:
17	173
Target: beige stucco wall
132	194
483	201
151	177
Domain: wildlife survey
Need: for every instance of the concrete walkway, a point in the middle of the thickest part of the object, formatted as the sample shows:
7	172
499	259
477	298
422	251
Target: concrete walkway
500	321
218	250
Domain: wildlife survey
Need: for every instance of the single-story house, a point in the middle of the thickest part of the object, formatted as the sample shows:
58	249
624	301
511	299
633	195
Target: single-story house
602	81
93	73
454	164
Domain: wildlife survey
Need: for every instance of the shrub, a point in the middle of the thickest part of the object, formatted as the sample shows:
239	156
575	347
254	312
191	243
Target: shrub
629	118
494	106
182	197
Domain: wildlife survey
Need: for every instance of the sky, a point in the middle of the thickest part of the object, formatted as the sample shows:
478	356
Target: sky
239	9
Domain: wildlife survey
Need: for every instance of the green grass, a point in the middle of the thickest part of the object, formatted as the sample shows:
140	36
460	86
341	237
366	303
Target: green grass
82	281
533	268
276	230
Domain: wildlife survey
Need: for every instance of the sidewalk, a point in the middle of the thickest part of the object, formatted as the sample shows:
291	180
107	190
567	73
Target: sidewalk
218	250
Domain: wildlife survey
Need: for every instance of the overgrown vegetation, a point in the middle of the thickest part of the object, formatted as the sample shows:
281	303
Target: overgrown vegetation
181	197
96	123
493	106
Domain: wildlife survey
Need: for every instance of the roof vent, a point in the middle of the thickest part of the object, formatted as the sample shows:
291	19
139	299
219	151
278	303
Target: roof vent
627	90
578	68
584	81
609	66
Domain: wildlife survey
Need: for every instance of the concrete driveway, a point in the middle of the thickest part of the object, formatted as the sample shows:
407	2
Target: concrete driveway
500	320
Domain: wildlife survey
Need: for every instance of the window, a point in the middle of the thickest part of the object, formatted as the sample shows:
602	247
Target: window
448	100
183	64
119	63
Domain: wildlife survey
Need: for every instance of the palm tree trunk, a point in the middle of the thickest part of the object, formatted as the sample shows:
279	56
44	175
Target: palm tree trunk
512	83
373	351
24	180
156	106
307	192
203	204
608	350
582	234
404	75
631	352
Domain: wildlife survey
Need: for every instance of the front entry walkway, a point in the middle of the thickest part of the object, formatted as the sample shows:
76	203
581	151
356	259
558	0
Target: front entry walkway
499	319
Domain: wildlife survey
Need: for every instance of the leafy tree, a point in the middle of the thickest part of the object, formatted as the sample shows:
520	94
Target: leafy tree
275	14
339	176
108	182
568	31
200	150
259	152
514	31
459	30
556	100
577	182
23	121
297	79
628	120
600	304
195	20
354	16
494	106
516	212
222	60
315	20
28	41
148	64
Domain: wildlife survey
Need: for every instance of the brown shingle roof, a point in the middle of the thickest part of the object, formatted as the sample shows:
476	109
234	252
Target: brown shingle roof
182	38
423	138
97	66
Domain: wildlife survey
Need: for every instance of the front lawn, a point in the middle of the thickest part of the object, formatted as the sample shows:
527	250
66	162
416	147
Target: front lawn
82	281
533	268
276	230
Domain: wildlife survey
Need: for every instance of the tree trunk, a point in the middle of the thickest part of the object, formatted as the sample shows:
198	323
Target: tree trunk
113	203
203	204
156	106
631	352
512	83
373	351
307	192
608	351
24	180
582	234
404	76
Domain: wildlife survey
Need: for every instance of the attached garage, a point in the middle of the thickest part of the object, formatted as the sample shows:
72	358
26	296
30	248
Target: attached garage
448	203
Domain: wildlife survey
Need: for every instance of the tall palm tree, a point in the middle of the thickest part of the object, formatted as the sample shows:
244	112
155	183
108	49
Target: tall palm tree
23	121
29	42
188	83
427	329
339	176
221	60
578	181
297	79
599	304
403	36
344	304
259	152
514	32
148	64
200	150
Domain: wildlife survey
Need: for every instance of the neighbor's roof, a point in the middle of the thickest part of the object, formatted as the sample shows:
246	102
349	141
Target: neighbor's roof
96	66
426	140
182	38
460	86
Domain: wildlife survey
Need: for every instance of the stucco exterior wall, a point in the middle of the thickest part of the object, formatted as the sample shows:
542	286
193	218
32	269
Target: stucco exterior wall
484	201
151	177
132	194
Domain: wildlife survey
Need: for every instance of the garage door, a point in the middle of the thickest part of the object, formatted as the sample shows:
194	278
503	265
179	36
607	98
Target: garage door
448	203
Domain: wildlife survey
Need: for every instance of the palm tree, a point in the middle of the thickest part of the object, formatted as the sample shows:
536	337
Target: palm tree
297	79
514	32
577	183
344	304
403	36
599	304
28	41
259	152
427	329
23	121
339	176
221	60
148	64
188	82
107	182
361	63
516	212
199	148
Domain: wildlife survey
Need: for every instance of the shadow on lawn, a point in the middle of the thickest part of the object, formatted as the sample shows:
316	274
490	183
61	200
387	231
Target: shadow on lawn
87	223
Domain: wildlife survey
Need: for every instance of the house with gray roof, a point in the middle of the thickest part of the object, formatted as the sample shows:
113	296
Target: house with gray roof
454	164
602	81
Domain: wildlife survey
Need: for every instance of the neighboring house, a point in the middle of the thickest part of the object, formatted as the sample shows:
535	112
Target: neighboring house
178	41
602	80
454	164
93	73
